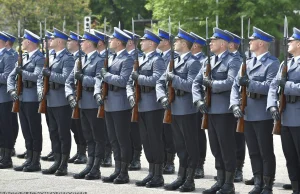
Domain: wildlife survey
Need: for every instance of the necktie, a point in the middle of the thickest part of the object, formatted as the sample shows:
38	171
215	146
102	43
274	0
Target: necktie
54	55
179	59
144	57
292	62
27	56
85	58
216	59
115	55
161	54
255	60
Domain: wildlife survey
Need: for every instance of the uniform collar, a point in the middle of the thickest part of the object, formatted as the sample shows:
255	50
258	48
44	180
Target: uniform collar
131	51
220	55
119	52
261	56
31	53
165	52
199	53
147	54
58	52
1	50
74	54
90	54
183	55
296	58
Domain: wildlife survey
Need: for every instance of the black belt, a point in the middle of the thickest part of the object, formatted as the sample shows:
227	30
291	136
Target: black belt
55	86
292	99
255	95
28	84
180	92
114	88
146	89
88	89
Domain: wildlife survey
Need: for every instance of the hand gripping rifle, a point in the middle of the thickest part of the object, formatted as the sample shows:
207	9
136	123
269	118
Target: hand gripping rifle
282	100
241	122
171	91
137	96
204	124
76	113
43	103
16	104
104	86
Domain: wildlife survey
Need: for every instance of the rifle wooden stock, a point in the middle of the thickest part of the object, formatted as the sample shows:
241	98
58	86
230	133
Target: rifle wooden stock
241	122
76	113
204	124
171	95
43	103
104	92
16	104
135	110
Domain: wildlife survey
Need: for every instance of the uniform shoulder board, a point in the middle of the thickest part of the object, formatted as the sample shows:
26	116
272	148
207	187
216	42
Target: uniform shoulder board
8	52
273	58
194	57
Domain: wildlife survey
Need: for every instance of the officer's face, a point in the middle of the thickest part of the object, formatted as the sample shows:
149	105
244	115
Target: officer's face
71	44
294	46
162	44
113	43
254	45
85	45
178	45
53	43
215	45
25	43
146	45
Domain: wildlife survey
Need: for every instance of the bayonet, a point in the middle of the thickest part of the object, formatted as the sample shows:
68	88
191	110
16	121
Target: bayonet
119	25
19	29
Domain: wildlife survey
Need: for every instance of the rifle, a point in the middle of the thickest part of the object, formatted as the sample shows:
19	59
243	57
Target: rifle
241	122
282	100
43	103
76	113
135	110
16	104
171	91
104	86
204	124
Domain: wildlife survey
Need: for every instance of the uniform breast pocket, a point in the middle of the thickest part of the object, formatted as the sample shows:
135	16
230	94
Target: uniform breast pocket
115	69
221	73
30	67
182	72
146	70
259	77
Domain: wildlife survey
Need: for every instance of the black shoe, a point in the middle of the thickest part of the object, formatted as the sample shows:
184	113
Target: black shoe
55	165
6	161
181	177
81	157
26	163
228	187
95	171
63	168
2	153
136	162
35	164
22	156
148	177
258	184
45	158
51	158
268	182
239	171
85	171
169	167
73	158
295	187
217	186
107	162
123	177
13	153
189	184
250	181
287	186
158	179
199	172
114	175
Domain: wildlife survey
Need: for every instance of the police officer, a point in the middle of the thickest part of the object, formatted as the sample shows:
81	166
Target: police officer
198	53
101	48
58	108
7	64
258	122
49	35
117	108
92	127
239	137
9	44
80	156
290	123
221	121
30	119
135	163
169	146
184	114
151	67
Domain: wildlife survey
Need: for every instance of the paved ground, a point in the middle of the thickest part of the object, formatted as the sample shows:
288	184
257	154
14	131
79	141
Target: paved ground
12	181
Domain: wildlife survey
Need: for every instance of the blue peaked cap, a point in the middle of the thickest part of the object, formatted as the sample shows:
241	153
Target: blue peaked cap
259	34
184	35
3	36
221	34
91	37
163	34
198	39
236	38
296	34
49	34
59	34
100	35
119	34
74	36
11	37
151	36
131	34
31	36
